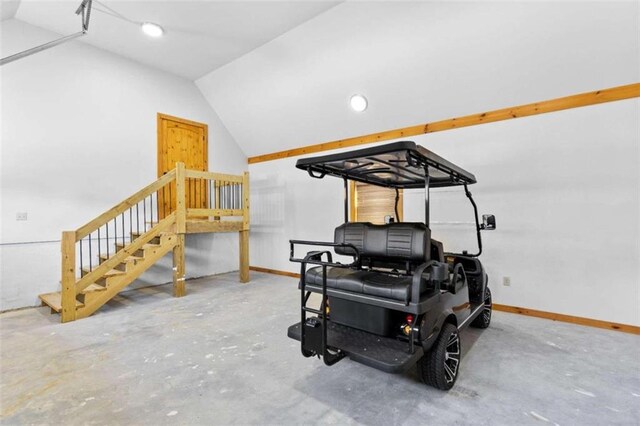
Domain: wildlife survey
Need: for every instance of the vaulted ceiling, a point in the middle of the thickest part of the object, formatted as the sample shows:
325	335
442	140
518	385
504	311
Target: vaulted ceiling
279	74
200	35
418	62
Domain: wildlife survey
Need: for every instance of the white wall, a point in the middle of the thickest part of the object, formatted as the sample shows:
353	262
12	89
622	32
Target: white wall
419	62
78	136
565	188
568	227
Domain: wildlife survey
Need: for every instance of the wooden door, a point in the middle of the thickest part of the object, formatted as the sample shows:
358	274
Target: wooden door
370	203
185	141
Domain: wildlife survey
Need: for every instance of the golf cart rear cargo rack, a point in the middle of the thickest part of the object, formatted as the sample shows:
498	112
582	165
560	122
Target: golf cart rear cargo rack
317	342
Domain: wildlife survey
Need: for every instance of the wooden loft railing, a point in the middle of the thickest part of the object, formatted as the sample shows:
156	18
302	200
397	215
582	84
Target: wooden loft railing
230	198
108	253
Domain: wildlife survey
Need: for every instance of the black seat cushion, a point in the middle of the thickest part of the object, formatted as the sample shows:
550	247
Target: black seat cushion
338	278
392	242
366	282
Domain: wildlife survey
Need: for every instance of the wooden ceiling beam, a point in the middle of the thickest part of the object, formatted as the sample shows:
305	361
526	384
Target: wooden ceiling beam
574	101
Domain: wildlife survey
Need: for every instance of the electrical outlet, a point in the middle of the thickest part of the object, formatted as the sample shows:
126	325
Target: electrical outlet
506	281
21	216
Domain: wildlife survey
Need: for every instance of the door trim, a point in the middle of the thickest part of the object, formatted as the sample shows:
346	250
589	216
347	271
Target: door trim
160	140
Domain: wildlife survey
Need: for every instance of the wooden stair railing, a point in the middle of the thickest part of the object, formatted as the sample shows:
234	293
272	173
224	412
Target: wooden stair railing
144	228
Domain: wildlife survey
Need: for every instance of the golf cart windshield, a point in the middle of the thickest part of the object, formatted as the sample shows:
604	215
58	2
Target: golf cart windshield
395	165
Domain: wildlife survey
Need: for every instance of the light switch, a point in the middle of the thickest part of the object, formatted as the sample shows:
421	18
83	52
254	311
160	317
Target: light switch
21	216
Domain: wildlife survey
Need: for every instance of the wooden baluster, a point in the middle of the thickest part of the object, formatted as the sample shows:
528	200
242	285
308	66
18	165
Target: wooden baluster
217	199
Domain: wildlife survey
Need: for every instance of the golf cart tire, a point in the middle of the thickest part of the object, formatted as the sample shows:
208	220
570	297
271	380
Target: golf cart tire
484	319
431	367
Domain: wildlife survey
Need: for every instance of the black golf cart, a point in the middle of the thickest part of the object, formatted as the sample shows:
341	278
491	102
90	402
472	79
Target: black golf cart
402	300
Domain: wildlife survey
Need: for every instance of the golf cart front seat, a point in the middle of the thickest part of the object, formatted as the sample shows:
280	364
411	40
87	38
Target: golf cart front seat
402	246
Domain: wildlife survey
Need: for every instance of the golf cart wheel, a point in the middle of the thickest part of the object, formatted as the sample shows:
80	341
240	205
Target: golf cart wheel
439	366
484	319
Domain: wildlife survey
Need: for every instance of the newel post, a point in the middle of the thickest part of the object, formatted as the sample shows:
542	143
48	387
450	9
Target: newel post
68	298
244	233
179	289
181	207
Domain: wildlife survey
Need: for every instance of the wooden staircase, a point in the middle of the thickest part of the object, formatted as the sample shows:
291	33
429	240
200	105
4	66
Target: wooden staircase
131	237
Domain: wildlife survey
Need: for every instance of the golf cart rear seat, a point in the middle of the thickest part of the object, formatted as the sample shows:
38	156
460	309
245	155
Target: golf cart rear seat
400	246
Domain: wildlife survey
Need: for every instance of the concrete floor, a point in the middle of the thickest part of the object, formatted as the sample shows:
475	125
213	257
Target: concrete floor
220	355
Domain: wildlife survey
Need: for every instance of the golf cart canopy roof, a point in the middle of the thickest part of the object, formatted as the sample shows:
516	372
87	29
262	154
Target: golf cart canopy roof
395	165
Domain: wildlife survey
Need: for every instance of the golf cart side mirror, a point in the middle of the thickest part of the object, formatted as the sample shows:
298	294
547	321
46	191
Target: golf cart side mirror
488	222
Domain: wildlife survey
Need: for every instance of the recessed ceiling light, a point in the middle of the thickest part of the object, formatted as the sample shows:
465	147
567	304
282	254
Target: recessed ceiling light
152	30
358	103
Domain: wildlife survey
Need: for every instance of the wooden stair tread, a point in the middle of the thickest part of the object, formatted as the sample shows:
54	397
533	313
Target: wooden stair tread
127	259
93	287
146	246
54	301
137	234
110	273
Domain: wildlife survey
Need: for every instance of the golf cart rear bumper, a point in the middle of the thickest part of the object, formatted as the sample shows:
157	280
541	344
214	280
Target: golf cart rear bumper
383	353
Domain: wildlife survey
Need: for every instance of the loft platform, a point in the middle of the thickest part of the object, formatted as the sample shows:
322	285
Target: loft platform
395	165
